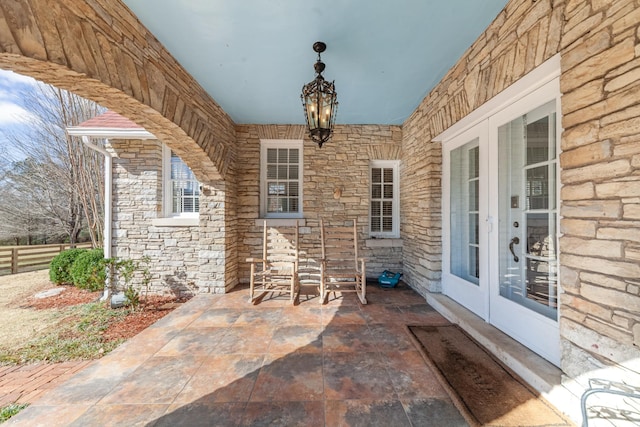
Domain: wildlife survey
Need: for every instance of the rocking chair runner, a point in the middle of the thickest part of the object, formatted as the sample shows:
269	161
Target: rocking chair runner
277	270
341	269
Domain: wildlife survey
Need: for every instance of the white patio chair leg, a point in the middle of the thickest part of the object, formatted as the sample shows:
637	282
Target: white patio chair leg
251	282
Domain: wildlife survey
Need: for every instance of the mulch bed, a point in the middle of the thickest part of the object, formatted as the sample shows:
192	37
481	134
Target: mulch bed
150	310
67	298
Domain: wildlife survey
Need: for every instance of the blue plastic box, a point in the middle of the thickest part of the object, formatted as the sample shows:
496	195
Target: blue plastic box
389	279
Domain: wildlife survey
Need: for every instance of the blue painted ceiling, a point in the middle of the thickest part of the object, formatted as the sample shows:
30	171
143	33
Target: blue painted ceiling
254	56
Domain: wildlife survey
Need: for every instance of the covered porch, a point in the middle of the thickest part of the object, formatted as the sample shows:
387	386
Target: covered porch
219	360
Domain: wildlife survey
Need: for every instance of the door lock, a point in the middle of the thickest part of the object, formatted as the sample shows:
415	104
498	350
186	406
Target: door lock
514	241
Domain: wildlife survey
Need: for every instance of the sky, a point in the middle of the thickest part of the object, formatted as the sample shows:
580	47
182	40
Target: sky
11	84
12	113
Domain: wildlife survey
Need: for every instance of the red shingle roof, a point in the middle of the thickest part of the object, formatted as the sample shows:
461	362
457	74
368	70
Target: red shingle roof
110	120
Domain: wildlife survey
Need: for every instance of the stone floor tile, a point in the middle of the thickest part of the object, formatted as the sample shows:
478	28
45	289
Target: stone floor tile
344	315
390	337
237	297
420	314
202	414
193	341
259	316
174	322
120	415
221	317
158	381
407	297
86	388
297	339
356	376
274	300
147	342
291	414
309	314
339	299
379	298
48	416
245	339
370	413
222	378
411	377
381	313
347	338
290	377
434	412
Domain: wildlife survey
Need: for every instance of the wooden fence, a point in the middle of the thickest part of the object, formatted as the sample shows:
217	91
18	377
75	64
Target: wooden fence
18	259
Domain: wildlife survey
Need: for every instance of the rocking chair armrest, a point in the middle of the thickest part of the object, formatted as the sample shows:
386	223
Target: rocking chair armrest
255	260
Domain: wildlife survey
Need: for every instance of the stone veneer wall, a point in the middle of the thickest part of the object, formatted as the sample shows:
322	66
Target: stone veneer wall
343	163
600	161
174	251
218	265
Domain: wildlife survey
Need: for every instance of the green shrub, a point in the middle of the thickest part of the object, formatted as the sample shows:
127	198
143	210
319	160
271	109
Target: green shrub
88	270
60	266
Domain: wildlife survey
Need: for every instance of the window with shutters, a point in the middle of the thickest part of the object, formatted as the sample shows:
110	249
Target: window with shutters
281	170
384	208
181	188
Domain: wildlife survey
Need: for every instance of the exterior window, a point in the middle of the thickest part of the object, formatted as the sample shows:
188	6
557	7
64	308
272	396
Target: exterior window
281	179
181	188
384	214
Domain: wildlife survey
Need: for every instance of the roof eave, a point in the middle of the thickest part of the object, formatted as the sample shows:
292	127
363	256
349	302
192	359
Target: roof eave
110	133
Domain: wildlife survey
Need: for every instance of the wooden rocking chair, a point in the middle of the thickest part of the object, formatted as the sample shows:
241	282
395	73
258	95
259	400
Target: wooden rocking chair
341	269
277	270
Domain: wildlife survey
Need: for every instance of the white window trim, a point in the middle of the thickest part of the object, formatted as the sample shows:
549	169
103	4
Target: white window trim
395	165
279	143
167	197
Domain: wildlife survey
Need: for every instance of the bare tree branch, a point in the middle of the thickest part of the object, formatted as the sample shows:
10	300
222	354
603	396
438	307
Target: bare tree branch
58	179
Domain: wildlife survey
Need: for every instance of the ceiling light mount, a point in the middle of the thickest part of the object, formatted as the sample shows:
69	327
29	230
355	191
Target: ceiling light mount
320	102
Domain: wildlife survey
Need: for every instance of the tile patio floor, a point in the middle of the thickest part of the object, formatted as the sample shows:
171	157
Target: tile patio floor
220	361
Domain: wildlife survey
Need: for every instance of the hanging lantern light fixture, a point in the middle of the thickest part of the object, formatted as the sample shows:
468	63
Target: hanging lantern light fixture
320	103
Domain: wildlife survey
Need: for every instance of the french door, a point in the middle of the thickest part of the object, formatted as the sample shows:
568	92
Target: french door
465	274
500	220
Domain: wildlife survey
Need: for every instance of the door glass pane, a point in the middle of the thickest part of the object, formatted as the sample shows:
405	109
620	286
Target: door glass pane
527	209
464	205
538	141
537	189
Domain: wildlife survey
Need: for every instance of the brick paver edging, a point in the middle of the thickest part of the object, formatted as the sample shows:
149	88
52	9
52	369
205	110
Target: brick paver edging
26	383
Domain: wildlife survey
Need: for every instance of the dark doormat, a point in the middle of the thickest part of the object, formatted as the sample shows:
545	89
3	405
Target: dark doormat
485	392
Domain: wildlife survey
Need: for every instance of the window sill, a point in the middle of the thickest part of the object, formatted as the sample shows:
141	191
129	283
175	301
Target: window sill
176	222
382	242
282	222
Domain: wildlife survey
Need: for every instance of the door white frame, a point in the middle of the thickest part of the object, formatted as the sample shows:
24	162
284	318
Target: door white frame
535	331
474	297
532	329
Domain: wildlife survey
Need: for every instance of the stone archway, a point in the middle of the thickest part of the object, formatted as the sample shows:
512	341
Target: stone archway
99	50
102	52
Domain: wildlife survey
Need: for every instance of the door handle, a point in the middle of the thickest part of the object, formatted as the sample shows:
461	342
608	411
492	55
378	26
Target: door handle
514	241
